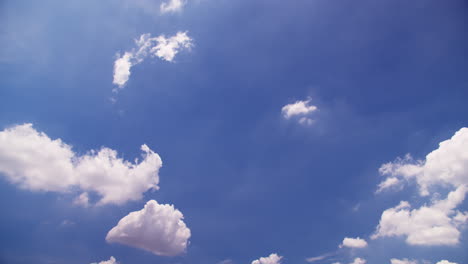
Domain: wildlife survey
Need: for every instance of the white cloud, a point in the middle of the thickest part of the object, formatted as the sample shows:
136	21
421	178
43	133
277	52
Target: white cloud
110	261
429	225
358	261
272	259
402	261
158	228
387	183
299	108
160	46
446	166
321	257
35	162
354	242
172	6
445	262
438	223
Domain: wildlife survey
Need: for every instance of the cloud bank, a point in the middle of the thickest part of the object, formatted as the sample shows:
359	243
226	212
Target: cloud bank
164	48
35	162
157	228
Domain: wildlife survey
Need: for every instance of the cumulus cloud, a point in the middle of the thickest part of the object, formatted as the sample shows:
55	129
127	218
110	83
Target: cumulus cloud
272	259
446	166
445	262
161	47
157	228
110	261
301	109
172	6
35	162
354	242
402	261
358	261
429	225
438	223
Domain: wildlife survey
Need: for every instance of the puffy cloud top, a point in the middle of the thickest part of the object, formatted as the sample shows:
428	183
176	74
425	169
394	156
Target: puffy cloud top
437	224
445	262
157	228
298	108
272	259
33	161
354	242
447	165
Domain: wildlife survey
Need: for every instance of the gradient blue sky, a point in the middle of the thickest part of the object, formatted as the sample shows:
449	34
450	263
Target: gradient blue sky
388	77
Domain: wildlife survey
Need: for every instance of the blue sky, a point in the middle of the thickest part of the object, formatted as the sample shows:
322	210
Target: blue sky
386	78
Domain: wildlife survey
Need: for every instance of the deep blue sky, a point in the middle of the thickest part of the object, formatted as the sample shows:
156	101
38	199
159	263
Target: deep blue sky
388	77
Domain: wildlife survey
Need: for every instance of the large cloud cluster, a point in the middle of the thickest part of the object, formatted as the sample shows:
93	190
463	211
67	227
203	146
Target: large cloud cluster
33	161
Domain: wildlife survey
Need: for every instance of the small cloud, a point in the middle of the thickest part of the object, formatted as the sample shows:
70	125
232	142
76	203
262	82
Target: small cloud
162	47
359	261
353	242
445	262
321	257
172	6
82	200
157	228
226	261
388	183
110	261
402	261
299	108
272	259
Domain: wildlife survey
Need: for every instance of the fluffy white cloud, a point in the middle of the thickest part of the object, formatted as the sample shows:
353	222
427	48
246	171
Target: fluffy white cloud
158	228
445	262
446	166
160	46
402	261
429	225
110	261
439	222
33	161
354	242
299	108
272	259
172	6
358	261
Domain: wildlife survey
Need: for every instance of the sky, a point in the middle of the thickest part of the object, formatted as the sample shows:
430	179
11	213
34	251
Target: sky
233	132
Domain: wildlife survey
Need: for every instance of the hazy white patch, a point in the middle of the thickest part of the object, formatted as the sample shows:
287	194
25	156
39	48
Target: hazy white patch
272	259
387	183
172	6
35	162
353	242
110	261
321	257
445	262
358	261
402	261
157	228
